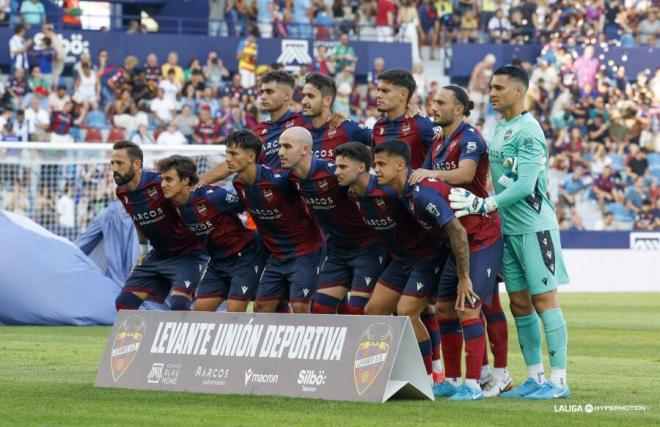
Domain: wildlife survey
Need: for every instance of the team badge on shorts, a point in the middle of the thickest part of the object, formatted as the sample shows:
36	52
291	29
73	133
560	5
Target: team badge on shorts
371	355
126	345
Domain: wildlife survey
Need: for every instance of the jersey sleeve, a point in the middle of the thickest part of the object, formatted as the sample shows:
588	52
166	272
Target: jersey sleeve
472	146
427	130
358	132
432	203
428	161
531	148
224	201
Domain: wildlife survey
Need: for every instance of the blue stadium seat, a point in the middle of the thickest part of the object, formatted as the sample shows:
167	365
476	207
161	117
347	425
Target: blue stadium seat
620	212
96	119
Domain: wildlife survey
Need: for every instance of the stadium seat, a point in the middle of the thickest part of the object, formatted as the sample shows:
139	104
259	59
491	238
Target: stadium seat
116	134
620	212
93	135
96	119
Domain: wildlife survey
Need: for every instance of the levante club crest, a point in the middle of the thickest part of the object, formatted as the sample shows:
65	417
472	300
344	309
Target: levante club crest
126	345
371	355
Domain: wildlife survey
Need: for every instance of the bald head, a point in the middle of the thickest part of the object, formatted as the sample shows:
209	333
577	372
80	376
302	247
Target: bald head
295	147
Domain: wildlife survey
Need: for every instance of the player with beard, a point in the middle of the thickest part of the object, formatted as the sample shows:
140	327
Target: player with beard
459	157
354	257
177	262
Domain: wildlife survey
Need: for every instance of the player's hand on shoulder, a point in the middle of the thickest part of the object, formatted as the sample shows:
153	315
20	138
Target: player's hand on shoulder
466	203
421	174
336	120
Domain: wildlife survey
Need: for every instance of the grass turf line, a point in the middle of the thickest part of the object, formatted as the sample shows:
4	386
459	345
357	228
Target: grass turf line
46	377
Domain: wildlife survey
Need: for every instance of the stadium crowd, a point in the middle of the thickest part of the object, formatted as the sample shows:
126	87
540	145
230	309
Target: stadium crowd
601	128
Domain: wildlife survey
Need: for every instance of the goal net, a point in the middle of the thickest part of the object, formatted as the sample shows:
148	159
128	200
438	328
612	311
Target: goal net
63	186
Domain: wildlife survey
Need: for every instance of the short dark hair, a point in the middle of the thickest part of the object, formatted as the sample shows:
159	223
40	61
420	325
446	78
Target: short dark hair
356	151
19	28
394	147
279	77
462	97
515	73
134	151
323	83
244	139
184	166
400	77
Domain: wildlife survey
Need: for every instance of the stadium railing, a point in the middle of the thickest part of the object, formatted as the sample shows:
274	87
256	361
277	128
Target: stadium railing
63	186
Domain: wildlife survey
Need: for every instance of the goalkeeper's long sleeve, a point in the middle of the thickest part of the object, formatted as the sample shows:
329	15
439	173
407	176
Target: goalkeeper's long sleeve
530	151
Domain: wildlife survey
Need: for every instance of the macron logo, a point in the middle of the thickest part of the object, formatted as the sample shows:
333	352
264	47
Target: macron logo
420	285
367	280
244	289
248	375
380	260
305	292
187	282
488	271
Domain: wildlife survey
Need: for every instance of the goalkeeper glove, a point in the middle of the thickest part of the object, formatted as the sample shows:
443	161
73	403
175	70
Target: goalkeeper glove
511	175
466	203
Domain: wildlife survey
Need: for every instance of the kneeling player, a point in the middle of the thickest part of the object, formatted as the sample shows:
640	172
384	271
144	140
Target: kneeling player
289	232
237	257
177	260
354	257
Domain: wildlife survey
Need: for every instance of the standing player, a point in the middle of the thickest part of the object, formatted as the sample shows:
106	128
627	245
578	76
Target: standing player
210	212
176	262
289	232
409	281
354	258
533	265
319	94
459	157
395	88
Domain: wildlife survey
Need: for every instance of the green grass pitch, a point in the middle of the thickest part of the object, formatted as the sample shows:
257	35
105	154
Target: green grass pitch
46	377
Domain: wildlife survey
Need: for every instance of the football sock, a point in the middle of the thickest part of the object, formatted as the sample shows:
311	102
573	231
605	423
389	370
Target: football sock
127	301
452	346
179	303
475	342
425	348
529	338
556	337
430	320
325	304
344	306
356	304
498	331
536	373
283	307
483	323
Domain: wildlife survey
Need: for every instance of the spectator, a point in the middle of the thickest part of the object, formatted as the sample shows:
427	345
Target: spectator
344	54
66	209
378	68
187	122
44	56
645	218
635	196
171	136
215	71
21	128
409	27
246	56
125	114
321	64
37	79
60	53
38	121
648	31
217	25
656	214
18	48
142	136
572	185
162	108
499	27
323	23
172	64
152	71
479	85
18	202
576	223
385	20
607	223
302	17
170	87
606	188
33	12
45	208
598	130
429	26
58	99
209	102
61	122
637	165
87	88
469	32
207	131
586	67
5	11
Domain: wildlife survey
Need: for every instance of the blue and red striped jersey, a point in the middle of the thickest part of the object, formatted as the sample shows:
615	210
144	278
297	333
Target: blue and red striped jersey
280	214
211	212
339	218
398	230
61	122
156	217
418	132
326	140
270	131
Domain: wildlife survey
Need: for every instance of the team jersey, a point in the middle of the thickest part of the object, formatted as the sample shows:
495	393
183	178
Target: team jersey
270	131
326	140
522	138
418	132
339	218
428	201
207	132
60	122
211	213
465	143
284	224
398	230
156	217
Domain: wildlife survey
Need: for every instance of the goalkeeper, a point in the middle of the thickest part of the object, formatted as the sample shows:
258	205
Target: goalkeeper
532	264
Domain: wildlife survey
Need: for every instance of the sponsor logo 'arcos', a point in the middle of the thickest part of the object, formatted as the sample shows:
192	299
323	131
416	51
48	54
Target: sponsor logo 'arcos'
126	345
371	354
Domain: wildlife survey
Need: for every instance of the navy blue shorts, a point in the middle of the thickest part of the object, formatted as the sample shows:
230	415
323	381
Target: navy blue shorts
293	279
235	277
356	269
158	276
413	278
485	267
